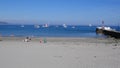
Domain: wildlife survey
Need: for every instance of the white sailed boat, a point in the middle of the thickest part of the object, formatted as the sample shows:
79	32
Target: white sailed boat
36	26
64	25
45	25
22	26
90	25
73	27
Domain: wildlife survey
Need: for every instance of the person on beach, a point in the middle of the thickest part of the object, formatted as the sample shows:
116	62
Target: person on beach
0	38
45	41
27	39
40	40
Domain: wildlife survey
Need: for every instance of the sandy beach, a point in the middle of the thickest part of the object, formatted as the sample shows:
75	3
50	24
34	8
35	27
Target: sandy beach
59	53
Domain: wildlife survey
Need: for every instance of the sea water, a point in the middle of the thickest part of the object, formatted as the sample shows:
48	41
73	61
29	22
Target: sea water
50	31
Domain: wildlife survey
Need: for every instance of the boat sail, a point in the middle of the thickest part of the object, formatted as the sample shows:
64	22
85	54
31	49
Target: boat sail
64	25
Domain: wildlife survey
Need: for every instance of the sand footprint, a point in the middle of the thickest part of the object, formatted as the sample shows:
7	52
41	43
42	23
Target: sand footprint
58	56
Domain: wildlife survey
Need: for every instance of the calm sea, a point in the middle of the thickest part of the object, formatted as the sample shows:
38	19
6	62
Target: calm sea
51	31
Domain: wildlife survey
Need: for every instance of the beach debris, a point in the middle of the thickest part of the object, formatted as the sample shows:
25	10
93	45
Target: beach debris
95	56
115	45
58	56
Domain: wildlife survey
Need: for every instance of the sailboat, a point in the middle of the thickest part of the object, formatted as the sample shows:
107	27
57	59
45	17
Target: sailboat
108	31
64	25
45	25
22	26
36	26
90	25
73	27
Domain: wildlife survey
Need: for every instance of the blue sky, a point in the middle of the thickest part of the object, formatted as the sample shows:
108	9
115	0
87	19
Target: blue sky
60	11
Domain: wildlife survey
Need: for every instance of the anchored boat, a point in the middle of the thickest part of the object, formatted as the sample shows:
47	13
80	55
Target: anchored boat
108	31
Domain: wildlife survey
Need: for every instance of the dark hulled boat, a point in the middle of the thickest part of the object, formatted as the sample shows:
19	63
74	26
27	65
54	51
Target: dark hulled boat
108	31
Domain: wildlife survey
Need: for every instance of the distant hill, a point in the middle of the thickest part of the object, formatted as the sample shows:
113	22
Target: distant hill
3	23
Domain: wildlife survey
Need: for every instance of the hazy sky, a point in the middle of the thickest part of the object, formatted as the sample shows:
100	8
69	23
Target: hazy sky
60	11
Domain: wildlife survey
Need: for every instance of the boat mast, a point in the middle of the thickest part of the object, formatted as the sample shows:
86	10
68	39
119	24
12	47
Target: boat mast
102	24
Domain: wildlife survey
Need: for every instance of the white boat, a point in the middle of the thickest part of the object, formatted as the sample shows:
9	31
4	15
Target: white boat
64	25
90	25
22	26
105	28
36	26
101	29
108	32
45	25
73	27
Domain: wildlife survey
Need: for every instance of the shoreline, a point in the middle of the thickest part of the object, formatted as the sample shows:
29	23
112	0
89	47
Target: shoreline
63	39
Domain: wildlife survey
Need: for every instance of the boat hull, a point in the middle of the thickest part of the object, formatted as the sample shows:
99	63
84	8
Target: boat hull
110	33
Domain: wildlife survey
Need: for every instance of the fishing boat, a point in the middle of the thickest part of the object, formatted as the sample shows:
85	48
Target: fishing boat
108	31
100	29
